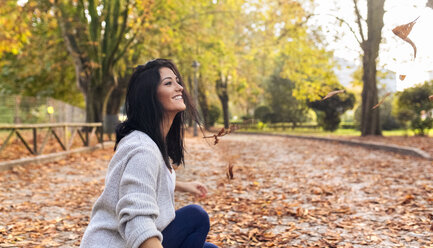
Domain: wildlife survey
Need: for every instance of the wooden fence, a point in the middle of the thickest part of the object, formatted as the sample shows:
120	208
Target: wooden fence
283	126
84	130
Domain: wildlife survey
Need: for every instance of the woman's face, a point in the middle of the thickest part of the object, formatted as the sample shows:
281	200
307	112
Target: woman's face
169	92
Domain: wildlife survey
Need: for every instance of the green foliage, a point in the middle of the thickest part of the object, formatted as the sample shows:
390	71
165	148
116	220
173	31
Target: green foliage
329	110
414	108
41	66
213	114
262	113
285	107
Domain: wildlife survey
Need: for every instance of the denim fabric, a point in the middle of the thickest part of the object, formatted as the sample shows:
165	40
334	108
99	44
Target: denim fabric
188	230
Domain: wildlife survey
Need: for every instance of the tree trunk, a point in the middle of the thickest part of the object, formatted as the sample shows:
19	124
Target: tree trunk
221	88
224	98
370	122
117	96
97	96
202	101
430	4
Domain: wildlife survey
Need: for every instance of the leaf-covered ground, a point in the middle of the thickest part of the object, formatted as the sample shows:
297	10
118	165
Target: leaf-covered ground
285	193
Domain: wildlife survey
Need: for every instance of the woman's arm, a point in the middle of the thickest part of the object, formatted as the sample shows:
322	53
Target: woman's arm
195	188
151	243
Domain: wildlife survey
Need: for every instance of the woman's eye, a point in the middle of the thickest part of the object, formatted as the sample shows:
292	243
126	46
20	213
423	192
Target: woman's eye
168	83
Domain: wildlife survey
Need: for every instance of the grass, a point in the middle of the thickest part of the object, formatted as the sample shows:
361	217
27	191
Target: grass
338	132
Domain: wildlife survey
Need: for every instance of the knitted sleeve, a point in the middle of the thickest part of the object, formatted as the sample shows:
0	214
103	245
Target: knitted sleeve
137	207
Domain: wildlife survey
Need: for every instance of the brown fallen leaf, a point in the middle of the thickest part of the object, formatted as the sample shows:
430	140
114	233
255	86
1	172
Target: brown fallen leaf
402	77
381	101
408	198
229	172
332	93
403	31
221	133
431	98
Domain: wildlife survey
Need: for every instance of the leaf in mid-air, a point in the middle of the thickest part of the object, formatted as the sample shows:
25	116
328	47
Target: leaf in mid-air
332	93
229	172
402	77
403	31
221	133
381	101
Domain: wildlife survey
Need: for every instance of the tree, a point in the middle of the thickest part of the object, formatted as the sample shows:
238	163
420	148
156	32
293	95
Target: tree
97	34
39	66
329	110
414	106
14	31
285	107
370	119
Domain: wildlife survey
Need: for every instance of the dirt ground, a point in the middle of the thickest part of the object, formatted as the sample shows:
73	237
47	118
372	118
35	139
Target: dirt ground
284	193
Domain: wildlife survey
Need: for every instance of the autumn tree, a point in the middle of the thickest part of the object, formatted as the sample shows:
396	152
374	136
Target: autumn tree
97	34
370	120
285	107
35	63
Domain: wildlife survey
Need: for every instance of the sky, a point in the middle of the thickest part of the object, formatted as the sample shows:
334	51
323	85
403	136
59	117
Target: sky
395	54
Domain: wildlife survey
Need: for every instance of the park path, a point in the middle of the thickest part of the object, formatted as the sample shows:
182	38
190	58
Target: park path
284	193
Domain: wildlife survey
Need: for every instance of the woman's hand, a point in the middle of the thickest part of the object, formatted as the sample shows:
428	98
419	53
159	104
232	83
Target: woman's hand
195	188
151	243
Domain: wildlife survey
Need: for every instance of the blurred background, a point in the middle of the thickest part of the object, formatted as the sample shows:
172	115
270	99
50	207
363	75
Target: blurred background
264	65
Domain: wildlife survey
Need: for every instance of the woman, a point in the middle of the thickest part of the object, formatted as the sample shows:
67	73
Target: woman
136	208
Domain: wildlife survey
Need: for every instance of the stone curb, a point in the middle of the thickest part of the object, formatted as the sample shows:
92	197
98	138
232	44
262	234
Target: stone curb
6	165
405	150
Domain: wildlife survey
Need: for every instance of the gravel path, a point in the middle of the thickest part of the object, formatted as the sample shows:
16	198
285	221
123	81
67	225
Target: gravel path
285	193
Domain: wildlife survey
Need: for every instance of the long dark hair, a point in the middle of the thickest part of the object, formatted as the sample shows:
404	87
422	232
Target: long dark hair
145	113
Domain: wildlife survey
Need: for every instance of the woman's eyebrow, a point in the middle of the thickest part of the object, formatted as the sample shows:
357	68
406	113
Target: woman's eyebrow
168	78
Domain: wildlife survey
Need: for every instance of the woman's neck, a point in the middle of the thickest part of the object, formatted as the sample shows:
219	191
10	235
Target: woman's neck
166	124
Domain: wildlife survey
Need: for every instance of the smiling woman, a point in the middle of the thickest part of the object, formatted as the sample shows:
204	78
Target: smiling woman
136	208
170	92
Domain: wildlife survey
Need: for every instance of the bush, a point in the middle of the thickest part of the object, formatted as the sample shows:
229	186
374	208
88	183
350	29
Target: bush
414	108
261	112
213	114
328	111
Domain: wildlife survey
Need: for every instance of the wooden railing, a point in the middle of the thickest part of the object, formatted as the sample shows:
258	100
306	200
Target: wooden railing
283	126
84	130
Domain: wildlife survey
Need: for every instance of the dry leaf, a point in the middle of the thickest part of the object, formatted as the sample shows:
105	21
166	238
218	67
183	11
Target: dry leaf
332	93
402	77
408	198
221	133
403	31
229	172
381	101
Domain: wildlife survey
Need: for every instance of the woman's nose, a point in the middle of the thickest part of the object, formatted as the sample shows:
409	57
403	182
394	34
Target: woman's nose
179	87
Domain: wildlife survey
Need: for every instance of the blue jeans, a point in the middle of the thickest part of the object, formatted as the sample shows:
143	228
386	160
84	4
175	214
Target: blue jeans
188	229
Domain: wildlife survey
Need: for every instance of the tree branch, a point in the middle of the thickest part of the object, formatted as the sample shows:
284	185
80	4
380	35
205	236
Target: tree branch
348	25
80	60
358	20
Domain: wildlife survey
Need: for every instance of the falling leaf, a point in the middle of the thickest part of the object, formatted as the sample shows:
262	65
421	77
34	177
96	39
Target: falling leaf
381	101
431	98
230	171
221	133
403	31
402	77
332	93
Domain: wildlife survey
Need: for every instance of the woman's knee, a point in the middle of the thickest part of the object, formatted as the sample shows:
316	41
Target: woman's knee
198	213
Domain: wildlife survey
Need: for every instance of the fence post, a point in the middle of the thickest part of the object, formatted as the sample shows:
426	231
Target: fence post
35	142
